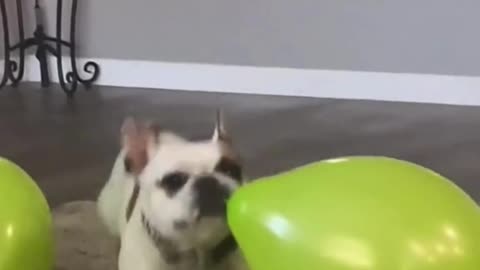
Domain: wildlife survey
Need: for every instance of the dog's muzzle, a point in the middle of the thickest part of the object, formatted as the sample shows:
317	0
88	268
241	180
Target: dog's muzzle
210	197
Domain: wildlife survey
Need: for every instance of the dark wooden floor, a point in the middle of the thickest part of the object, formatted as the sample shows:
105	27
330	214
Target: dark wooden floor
69	146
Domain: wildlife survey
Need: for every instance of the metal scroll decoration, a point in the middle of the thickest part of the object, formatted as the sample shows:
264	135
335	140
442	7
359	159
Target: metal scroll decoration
45	45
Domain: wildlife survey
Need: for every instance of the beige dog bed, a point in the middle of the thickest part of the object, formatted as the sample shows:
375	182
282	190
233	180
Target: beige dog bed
82	243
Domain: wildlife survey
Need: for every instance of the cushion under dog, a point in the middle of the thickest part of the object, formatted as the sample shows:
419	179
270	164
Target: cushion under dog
82	242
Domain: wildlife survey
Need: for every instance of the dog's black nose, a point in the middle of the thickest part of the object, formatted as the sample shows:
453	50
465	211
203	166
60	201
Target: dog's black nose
180	224
211	196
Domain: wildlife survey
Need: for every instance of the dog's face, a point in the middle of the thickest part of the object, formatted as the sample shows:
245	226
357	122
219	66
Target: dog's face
185	184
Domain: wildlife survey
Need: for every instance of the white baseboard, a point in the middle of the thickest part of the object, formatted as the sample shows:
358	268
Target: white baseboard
423	88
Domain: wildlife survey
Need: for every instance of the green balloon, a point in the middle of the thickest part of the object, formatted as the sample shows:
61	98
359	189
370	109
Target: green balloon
356	213
26	235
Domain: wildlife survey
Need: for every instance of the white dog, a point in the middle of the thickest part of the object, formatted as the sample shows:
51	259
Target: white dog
166	200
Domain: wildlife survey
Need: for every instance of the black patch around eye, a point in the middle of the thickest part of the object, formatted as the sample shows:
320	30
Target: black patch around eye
127	163
173	182
230	168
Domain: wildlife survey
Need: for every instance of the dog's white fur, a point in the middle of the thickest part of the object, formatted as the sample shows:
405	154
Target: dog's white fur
172	152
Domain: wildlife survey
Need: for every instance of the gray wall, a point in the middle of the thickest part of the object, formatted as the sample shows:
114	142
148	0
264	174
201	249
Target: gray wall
11	10
422	36
1	45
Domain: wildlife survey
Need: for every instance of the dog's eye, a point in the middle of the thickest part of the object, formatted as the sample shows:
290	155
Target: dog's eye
173	182
229	167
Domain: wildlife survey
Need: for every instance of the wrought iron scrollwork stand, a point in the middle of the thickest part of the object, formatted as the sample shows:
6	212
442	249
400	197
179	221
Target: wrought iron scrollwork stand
14	71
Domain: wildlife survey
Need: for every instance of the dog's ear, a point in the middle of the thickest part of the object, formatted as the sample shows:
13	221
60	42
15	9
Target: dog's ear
220	133
139	140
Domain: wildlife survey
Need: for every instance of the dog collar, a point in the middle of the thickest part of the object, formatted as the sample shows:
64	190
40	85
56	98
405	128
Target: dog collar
172	256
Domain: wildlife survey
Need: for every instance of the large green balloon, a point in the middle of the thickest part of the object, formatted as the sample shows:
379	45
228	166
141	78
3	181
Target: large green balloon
26	236
356	213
